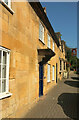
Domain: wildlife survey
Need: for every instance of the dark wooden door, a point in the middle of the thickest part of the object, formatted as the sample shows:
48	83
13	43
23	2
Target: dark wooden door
40	80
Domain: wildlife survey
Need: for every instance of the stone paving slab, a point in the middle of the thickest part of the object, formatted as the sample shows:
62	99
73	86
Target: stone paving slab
61	101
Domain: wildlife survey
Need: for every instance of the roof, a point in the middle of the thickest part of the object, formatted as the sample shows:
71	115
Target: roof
43	17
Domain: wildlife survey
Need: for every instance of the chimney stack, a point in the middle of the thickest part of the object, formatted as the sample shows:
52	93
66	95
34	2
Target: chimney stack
44	9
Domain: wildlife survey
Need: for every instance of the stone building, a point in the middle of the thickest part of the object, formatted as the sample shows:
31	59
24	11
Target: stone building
32	56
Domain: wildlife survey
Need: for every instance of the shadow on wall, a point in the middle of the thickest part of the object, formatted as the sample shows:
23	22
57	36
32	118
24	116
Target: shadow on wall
70	104
72	83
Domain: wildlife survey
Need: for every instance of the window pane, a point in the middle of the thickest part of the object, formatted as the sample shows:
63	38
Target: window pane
64	65
42	34
4	71
0	56
40	31
6	1
60	65
0	71
48	41
48	74
4	57
0	86
53	73
3	85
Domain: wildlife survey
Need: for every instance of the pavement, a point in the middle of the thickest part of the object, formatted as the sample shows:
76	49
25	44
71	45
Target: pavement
61	102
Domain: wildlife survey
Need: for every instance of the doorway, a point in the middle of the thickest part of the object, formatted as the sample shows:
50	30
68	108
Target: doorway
40	80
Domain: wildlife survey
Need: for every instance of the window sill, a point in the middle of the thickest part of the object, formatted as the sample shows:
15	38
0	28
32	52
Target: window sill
7	7
5	95
48	47
48	81
42	42
53	50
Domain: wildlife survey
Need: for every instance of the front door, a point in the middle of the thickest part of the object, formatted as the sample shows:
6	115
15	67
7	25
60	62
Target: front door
40	80
56	72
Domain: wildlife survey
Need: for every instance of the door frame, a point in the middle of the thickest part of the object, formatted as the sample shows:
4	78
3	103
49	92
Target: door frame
41	69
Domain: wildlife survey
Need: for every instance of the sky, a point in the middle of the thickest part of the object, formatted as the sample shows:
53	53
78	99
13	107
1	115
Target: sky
63	18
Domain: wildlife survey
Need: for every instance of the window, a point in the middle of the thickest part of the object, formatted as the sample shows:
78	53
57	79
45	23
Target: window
62	47
4	70
53	46
41	32
8	2
60	65
53	72
48	73
48	41
64	65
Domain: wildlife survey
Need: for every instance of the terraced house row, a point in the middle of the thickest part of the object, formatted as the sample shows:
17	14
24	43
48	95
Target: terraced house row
32	56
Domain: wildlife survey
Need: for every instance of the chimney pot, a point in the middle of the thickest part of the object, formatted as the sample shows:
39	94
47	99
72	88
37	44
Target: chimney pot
44	9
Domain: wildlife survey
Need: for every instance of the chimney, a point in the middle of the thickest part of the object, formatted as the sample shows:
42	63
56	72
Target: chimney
44	9
58	34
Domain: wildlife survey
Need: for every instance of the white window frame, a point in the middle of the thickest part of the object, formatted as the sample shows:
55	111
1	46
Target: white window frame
53	45
6	92
53	72
9	3
41	32
48	73
48	37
